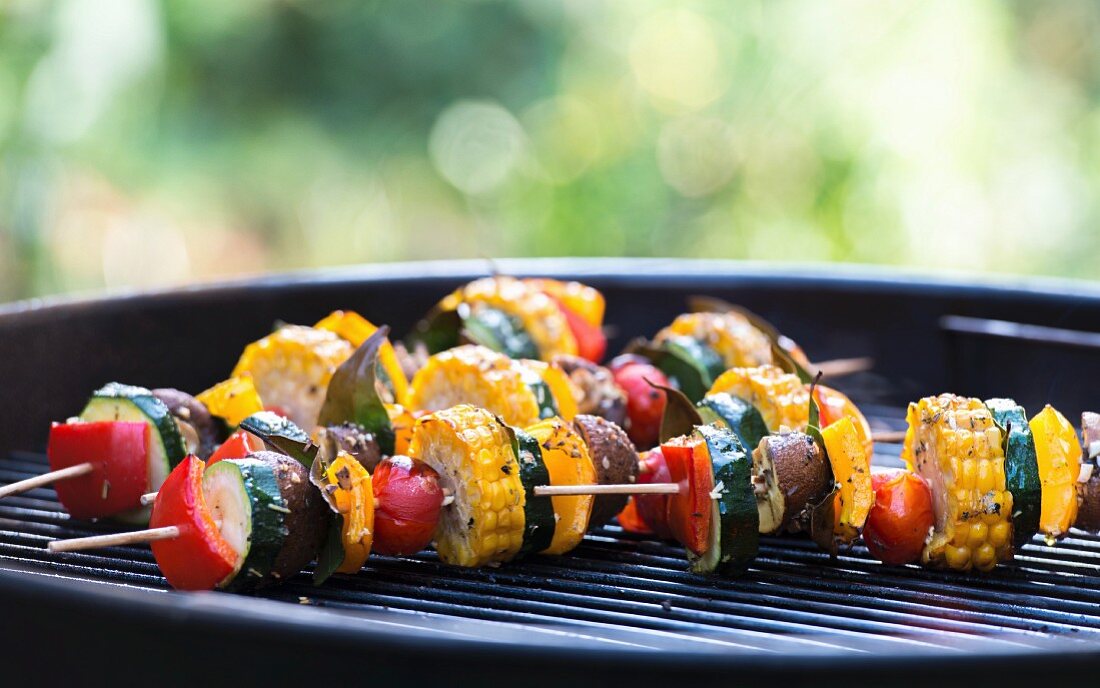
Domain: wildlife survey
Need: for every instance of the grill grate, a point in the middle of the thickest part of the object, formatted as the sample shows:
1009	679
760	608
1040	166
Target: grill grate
634	593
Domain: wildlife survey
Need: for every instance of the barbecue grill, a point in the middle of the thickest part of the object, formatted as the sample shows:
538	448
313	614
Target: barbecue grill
621	608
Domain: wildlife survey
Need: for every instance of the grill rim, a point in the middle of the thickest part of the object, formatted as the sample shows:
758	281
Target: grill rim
187	614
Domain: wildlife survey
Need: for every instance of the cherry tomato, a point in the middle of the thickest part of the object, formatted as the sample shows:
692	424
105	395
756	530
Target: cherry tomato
239	445
199	558
653	509
407	502
120	466
900	518
645	405
591	341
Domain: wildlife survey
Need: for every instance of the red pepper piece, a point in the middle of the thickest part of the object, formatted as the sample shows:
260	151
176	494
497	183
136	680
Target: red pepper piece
689	511
591	341
239	445
653	509
200	558
631	521
408	498
117	451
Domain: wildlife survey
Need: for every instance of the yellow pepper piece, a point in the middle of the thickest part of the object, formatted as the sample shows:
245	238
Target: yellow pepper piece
402	421
234	399
852	471
355	329
582	299
569	463
1059	456
354	497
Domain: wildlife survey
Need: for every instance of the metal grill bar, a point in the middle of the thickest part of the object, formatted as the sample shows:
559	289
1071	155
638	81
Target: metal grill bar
794	599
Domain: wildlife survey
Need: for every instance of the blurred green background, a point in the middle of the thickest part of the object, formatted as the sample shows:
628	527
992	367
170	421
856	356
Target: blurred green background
152	143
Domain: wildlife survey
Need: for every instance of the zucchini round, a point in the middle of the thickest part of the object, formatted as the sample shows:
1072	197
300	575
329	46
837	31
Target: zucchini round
243	495
1021	467
736	414
115	402
499	331
693	366
538	512
734	533
548	406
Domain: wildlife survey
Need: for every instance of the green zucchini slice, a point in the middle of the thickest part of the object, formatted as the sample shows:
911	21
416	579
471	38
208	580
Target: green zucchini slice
118	402
692	365
735	536
243	495
499	331
1021	467
538	512
736	414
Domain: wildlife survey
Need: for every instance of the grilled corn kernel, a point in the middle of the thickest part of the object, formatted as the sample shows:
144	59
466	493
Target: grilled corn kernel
780	397
514	390
737	341
291	369
470	450
953	443
540	315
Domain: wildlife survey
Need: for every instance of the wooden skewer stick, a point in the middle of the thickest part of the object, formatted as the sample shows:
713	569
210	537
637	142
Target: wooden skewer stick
148	498
840	367
889	436
97	541
46	479
569	490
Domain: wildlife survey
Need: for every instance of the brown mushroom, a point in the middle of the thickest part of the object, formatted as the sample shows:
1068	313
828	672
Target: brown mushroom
789	472
1088	513
199	429
615	459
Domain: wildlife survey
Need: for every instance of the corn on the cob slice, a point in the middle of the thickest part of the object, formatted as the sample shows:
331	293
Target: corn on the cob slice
541	317
567	459
472	453
953	443
291	369
470	374
736	340
781	398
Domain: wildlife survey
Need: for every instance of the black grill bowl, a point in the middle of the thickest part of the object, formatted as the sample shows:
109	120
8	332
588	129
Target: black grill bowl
621	609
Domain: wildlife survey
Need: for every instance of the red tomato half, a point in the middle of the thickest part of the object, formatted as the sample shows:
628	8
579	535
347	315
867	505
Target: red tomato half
200	558
407	502
120	466
900	518
239	445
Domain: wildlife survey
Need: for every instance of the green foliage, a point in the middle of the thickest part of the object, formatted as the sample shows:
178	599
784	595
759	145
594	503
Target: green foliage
144	143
